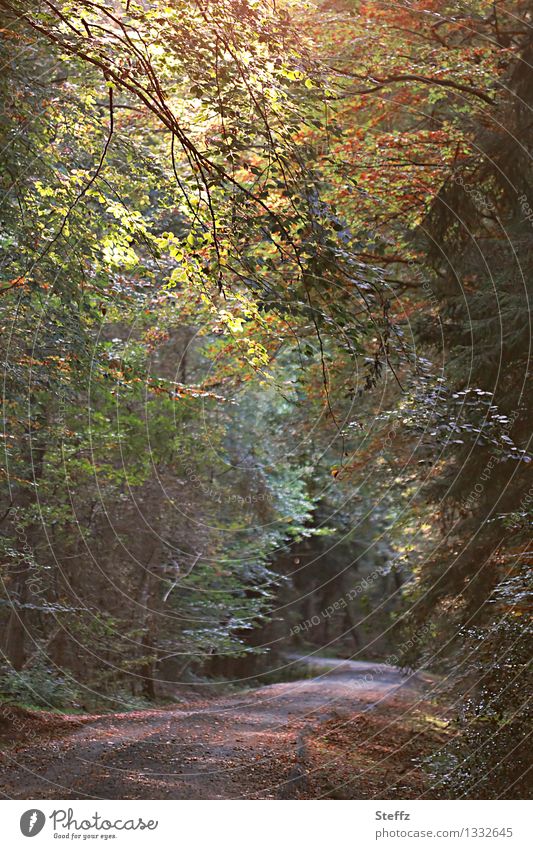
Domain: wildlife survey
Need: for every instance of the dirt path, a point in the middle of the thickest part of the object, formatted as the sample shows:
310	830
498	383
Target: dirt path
251	745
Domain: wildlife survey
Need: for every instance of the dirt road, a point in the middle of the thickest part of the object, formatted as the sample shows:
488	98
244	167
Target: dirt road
251	745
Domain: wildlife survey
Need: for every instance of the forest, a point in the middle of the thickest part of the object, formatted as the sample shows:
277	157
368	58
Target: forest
266	269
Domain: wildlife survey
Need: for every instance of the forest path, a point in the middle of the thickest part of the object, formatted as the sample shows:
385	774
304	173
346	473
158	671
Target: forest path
250	745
